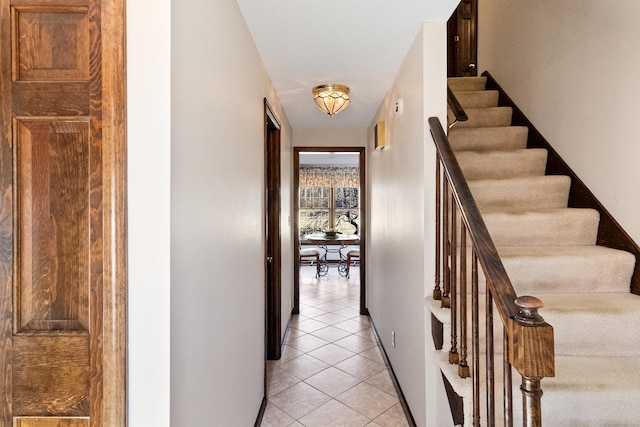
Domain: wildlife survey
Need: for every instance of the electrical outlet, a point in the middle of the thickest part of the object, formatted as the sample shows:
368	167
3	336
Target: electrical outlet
393	338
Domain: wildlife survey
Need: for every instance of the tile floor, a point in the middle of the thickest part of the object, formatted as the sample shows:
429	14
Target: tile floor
331	372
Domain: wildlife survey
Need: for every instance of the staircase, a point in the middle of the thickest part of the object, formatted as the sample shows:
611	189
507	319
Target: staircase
549	251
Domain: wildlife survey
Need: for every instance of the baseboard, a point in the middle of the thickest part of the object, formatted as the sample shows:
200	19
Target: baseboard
263	407
286	332
392	374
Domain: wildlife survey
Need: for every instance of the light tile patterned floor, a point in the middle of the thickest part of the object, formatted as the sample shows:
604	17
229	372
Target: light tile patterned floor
331	373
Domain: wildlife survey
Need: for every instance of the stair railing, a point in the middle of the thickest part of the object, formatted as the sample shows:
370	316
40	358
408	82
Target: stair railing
527	339
459	115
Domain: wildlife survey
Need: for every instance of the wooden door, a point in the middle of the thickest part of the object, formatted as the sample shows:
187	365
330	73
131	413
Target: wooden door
62	242
462	40
272	225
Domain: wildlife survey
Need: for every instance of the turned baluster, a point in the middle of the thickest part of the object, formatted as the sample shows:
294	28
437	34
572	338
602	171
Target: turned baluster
454	356
446	301
437	292
475	340
508	393
463	367
490	374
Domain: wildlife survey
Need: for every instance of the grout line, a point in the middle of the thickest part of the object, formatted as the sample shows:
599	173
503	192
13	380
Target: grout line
321	292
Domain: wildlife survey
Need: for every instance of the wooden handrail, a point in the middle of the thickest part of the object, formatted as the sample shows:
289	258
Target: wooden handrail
487	253
528	339
458	112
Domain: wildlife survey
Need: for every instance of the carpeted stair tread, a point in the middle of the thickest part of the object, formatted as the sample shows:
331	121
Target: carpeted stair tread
489	138
502	164
478	98
564	269
546	227
459	84
487	117
536	192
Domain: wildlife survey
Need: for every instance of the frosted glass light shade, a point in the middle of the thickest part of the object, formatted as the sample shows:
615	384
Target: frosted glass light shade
331	98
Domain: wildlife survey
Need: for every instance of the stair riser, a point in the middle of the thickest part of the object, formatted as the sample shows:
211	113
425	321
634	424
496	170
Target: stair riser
546	192
486	117
557	227
459	84
502	164
488	139
478	99
560	270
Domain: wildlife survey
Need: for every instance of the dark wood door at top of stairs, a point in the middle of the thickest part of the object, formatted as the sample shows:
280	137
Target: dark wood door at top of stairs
462	40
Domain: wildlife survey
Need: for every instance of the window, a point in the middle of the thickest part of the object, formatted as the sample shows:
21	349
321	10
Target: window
319	204
329	199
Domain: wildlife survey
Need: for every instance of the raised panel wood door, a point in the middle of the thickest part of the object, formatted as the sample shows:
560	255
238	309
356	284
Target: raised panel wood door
462	35
59	189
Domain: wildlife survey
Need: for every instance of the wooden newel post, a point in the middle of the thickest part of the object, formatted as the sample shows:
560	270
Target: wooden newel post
531	352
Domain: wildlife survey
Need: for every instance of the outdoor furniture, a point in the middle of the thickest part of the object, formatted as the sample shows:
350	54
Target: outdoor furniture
352	255
327	243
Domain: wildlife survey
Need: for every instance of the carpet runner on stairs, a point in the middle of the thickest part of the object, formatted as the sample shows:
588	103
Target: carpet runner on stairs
549	251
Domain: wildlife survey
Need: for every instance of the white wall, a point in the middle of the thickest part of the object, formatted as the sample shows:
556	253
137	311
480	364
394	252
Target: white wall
571	66
402	192
286	223
217	372
149	145
217	215
329	137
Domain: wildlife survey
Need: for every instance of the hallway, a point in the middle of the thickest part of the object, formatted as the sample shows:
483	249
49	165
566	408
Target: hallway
331	372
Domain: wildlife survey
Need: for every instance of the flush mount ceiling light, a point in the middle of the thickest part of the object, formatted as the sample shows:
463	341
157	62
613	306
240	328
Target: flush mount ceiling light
331	98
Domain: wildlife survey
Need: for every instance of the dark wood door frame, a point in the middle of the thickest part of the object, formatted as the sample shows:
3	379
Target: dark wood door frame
273	273
296	222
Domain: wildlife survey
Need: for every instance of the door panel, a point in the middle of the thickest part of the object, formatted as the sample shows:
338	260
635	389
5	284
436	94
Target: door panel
52	194
51	376
59	275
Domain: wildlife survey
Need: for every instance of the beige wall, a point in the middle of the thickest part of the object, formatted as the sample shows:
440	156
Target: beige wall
329	137
572	68
400	254
195	187
217	215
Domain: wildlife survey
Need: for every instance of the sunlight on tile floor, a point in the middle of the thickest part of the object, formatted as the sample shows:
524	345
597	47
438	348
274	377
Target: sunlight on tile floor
331	373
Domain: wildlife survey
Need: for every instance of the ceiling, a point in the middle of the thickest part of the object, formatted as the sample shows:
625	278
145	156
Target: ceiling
360	43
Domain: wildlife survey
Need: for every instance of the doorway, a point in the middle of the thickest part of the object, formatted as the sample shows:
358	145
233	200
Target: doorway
337	217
